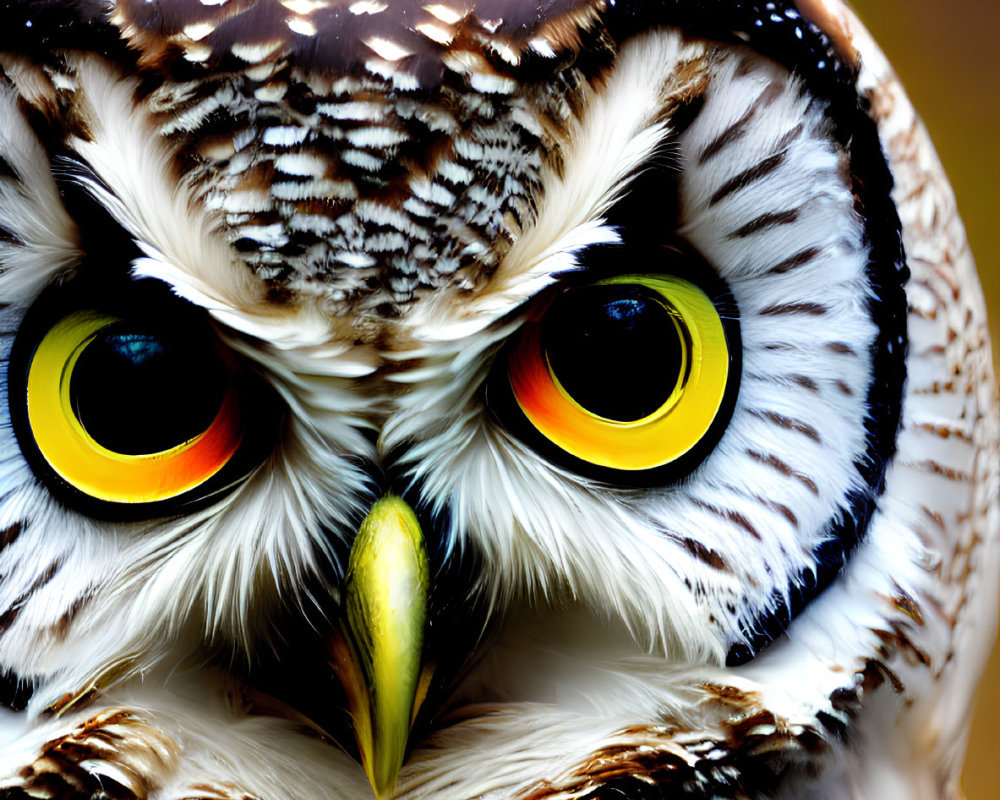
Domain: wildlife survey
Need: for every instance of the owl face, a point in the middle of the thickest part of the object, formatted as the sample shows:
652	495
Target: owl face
610	295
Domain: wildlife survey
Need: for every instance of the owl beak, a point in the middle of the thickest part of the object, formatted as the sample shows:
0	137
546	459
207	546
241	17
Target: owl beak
378	651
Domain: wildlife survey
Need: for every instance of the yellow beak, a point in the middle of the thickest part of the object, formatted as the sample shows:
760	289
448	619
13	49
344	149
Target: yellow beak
379	654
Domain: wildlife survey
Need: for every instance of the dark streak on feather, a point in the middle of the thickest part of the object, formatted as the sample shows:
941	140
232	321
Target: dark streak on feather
705	554
61	627
216	791
15	691
775	463
731	516
800	259
805	382
9	617
9	535
737	130
781	309
841	349
748	177
788	423
790	136
782	509
765	221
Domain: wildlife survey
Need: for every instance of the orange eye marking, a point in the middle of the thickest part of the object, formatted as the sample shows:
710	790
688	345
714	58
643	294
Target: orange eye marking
657	439
89	466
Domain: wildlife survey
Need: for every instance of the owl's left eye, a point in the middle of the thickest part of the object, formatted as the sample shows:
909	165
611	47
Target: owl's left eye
126	413
627	379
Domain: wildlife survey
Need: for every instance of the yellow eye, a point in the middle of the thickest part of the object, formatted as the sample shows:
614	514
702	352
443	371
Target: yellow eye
628	374
130	413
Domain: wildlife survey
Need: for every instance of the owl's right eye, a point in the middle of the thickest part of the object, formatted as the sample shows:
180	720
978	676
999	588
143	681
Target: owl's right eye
130	414
630	379
113	413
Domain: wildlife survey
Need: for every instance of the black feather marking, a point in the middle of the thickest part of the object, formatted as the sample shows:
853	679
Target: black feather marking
769	220
15	691
10	534
777	30
748	177
13	611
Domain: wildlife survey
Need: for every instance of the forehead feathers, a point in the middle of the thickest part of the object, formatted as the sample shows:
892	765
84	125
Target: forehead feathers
344	34
359	152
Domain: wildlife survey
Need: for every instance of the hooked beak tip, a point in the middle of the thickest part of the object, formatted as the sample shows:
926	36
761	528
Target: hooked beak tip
379	655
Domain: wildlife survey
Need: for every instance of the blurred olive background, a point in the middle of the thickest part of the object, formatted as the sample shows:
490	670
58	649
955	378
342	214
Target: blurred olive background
948	56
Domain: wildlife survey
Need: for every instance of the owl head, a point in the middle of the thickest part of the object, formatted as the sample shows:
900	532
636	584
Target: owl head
385	332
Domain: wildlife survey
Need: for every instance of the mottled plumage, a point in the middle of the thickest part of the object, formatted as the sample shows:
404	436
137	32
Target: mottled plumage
265	262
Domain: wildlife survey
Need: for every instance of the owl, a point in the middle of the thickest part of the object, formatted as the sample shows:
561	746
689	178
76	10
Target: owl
563	400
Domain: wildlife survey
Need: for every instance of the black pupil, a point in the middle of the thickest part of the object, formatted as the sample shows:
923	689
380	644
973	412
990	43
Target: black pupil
141	391
615	349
